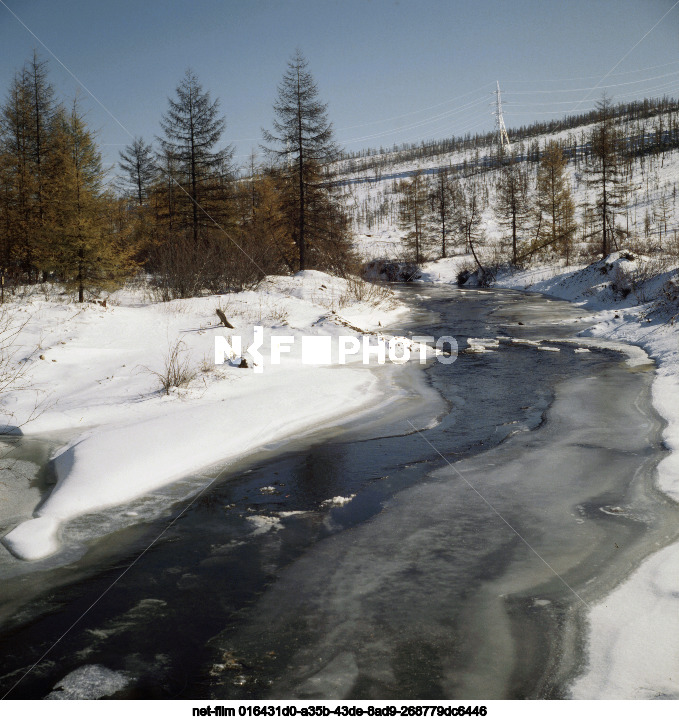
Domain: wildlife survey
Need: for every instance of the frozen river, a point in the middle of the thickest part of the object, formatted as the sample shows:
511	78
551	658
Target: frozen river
456	561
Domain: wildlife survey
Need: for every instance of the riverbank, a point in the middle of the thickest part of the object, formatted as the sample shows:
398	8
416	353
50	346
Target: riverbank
215	413
94	379
418	564
633	649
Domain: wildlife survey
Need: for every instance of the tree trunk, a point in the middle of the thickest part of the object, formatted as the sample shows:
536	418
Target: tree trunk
302	248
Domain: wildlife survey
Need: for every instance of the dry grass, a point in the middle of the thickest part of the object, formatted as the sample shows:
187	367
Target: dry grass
177	370
362	291
14	363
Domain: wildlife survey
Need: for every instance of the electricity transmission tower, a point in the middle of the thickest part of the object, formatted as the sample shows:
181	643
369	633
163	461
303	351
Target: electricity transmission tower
500	129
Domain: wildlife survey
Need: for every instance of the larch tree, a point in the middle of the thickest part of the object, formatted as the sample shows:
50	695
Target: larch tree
512	208
139	167
6	198
266	225
41	144
302	144
193	127
85	254
164	192
26	133
139	173
605	173
468	216
16	129
554	206
443	199
414	215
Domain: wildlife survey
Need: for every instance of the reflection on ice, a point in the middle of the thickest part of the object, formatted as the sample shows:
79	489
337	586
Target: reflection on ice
442	594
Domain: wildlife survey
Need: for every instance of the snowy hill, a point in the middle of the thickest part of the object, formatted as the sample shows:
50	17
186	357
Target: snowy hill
370	185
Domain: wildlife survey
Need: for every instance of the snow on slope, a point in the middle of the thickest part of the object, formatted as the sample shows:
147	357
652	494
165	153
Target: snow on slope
128	438
372	196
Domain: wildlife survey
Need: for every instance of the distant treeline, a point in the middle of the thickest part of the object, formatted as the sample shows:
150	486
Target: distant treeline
634	116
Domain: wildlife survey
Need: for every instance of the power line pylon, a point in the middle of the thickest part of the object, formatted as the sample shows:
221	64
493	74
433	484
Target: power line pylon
500	129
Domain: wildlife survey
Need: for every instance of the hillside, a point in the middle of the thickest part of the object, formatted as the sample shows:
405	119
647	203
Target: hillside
372	185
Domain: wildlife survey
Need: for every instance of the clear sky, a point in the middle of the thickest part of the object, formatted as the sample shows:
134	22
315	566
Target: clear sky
391	71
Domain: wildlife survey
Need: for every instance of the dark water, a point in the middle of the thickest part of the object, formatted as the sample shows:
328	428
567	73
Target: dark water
460	568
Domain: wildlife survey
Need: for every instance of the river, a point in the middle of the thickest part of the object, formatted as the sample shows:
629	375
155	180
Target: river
456	560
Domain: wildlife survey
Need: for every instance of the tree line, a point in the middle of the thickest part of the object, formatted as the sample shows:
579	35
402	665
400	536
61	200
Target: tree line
536	214
635	116
179	211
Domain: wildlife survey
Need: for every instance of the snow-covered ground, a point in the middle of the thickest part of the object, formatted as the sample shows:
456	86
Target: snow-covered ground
92	377
92	381
650	215
633	649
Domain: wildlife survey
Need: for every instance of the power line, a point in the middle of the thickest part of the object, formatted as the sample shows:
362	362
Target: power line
418	123
589	77
641	39
652	93
412	112
595	87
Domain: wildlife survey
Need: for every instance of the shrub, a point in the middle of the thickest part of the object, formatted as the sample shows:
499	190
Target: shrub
177	371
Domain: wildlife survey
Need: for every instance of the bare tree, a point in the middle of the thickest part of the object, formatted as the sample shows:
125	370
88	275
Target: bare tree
444	198
413	215
605	173
512	202
554	207
469	218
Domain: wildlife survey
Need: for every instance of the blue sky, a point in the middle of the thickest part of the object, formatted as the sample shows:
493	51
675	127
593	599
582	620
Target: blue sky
391	71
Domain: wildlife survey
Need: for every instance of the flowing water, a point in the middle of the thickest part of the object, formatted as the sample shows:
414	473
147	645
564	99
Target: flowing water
382	559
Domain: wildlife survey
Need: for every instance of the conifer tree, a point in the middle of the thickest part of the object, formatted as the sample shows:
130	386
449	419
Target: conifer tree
138	164
302	142
444	198
26	135
85	253
554	207
164	193
605	173
512	202
16	129
267	225
414	216
469	219
6	195
43	111
193	128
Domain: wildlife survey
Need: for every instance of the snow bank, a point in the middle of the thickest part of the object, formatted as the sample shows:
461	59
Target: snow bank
136	439
89	682
634	632
666	401
633	646
112	465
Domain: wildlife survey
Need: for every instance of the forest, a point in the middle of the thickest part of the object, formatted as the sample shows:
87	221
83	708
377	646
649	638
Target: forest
574	194
180	212
184	218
